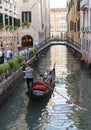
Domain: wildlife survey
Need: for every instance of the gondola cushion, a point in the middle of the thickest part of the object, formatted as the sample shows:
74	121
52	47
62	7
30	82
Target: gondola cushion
40	87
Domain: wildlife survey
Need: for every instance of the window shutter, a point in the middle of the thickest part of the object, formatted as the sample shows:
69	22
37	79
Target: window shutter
6	19
10	20
22	16
1	18
29	16
14	21
18	22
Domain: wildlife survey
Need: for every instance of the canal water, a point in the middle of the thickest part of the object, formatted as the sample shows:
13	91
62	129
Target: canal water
64	109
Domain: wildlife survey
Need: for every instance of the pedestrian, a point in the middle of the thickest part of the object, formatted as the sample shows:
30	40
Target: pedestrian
9	55
0	56
29	76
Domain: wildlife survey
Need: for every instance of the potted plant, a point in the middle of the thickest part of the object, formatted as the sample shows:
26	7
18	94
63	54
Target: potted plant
15	27
25	24
4	70
7	27
11	27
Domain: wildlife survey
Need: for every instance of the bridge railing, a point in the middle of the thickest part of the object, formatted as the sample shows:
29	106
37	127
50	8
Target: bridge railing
74	43
65	39
58	39
43	43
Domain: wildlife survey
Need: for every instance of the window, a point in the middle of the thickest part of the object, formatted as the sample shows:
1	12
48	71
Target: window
78	25
90	19
26	16
78	5
1	18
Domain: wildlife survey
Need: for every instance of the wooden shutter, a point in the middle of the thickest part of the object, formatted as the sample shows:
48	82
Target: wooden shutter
29	16
1	18
6	19
22	16
18	23
10	20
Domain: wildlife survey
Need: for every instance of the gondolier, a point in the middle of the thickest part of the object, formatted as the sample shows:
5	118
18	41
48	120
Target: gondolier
29	76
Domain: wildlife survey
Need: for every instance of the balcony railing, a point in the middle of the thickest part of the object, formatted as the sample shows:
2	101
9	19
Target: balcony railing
86	29
84	5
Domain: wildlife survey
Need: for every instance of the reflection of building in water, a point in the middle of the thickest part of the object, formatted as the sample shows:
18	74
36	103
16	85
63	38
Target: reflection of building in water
58	56
58	22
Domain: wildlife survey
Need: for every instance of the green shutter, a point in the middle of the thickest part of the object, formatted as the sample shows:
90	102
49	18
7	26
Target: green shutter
22	16
18	22
10	20
14	21
1	18
6	19
29	16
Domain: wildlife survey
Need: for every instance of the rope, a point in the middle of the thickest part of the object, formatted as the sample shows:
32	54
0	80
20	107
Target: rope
69	101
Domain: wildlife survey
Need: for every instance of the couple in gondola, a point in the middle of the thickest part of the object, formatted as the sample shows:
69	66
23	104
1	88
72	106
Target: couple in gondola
29	72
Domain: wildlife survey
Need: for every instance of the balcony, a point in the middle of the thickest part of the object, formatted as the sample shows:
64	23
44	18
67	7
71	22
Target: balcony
84	5
86	29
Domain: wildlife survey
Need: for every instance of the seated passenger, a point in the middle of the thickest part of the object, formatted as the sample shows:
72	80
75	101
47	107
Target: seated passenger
49	78
41	77
45	74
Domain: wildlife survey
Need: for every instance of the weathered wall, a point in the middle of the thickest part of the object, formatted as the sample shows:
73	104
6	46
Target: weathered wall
8	86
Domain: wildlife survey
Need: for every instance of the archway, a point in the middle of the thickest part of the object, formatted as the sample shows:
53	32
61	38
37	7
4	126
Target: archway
27	41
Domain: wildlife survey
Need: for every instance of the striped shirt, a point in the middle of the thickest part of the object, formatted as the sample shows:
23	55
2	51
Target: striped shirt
29	72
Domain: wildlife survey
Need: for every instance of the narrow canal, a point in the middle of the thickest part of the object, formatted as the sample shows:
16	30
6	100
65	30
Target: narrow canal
54	113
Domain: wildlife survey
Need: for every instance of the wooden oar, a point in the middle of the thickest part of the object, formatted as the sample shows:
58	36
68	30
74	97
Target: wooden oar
50	87
70	101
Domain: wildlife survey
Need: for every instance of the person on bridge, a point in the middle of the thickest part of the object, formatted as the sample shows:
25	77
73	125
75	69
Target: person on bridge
29	76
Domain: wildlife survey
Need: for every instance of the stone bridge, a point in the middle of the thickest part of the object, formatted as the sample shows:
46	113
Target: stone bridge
73	46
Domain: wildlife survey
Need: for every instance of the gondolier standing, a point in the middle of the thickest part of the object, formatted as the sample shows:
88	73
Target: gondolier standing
29	76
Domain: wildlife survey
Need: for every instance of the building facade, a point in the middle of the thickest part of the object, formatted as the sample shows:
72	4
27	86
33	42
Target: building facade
58	22
73	20
9	23
35	22
85	35
23	23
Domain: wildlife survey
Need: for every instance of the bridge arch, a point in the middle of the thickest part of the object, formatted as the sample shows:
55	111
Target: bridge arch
27	41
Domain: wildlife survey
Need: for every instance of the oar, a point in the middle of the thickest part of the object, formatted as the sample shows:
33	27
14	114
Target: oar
71	102
47	85
52	89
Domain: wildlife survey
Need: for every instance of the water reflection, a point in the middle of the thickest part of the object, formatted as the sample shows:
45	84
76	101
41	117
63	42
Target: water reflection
52	113
36	113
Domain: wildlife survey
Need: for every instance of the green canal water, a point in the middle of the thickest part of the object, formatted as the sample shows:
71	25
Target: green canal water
72	82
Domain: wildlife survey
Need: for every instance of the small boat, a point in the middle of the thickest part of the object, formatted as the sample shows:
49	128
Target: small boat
42	89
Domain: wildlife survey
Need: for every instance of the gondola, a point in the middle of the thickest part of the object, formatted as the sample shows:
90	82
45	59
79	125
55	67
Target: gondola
42	89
